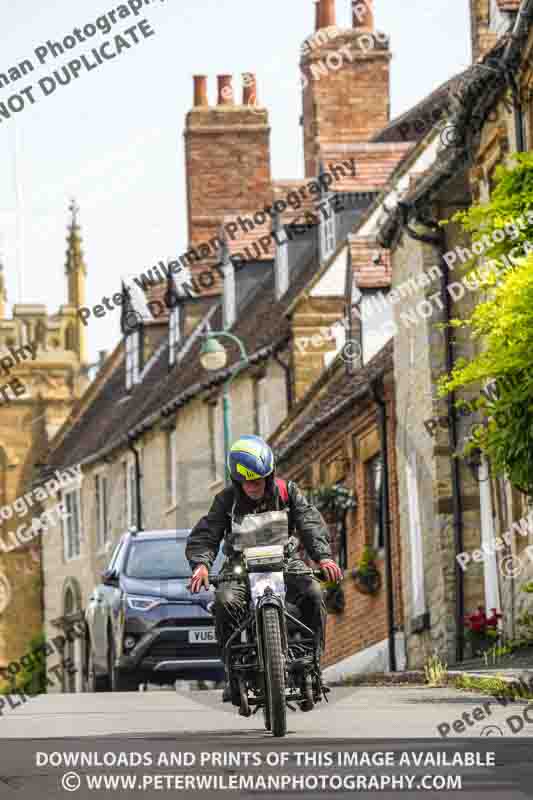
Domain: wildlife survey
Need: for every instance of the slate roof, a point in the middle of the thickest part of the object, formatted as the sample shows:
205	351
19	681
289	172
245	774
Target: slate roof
112	415
416	123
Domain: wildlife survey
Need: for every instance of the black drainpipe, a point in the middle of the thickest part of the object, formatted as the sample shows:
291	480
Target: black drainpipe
438	241
138	501
288	380
379	400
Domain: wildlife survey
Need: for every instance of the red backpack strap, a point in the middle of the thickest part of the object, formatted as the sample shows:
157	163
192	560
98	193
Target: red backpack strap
282	488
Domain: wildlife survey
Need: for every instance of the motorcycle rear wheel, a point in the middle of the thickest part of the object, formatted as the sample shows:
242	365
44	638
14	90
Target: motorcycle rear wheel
276	712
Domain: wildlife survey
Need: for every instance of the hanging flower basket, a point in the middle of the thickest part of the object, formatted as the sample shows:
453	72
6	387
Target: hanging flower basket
366	575
335	600
332	499
367	582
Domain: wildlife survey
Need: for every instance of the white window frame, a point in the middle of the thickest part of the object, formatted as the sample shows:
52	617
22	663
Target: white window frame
327	229
229	300
416	550
172	469
261	409
173	334
133	358
101	495
213	442
282	268
131	494
379	549
71	525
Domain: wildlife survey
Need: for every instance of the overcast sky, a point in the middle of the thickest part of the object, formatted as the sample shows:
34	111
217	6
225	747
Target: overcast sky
113	138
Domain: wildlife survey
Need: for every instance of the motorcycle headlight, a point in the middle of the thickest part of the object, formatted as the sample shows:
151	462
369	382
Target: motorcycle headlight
143	603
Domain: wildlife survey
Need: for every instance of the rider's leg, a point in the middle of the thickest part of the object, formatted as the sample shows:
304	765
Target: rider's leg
306	593
230	607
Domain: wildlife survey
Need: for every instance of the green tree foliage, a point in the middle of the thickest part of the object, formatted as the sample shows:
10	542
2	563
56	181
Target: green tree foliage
504	324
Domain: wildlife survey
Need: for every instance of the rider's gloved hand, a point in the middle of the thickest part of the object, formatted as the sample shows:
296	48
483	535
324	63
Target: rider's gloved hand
200	577
331	570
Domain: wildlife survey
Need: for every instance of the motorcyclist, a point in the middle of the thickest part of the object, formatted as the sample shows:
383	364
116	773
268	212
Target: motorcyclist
255	491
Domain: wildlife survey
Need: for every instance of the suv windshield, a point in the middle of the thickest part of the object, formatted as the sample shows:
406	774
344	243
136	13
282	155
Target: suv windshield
155	559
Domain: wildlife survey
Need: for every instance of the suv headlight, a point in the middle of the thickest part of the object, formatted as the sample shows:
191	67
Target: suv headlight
143	603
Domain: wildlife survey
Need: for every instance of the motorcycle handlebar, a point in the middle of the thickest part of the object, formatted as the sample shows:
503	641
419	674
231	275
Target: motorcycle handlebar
215	580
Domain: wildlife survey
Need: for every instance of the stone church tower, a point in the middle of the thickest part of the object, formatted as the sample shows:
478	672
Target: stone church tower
45	356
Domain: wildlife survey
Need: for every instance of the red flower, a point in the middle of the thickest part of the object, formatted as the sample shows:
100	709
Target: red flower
479	622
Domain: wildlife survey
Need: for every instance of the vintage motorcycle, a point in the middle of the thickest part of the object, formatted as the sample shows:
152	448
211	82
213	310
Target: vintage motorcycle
272	659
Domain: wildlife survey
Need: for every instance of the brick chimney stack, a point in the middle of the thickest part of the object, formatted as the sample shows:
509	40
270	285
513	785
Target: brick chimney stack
346	82
227	161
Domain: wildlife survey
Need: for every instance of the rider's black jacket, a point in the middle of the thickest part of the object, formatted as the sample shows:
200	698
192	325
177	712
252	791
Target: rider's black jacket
305	521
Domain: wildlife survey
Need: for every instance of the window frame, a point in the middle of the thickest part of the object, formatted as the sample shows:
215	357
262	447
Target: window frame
101	510
67	522
375	505
282	267
212	418
172	468
174	334
261	408
132	494
328	233
132	346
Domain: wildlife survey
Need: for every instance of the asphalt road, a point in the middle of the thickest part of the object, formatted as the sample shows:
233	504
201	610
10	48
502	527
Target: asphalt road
357	720
353	712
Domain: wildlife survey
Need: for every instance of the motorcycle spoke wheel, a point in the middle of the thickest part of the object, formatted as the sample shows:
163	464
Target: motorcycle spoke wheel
274	672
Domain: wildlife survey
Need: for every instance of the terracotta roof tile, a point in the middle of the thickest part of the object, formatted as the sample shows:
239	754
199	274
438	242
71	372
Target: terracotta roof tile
374	163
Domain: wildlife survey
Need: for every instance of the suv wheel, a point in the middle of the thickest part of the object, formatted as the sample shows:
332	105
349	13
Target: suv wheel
120	681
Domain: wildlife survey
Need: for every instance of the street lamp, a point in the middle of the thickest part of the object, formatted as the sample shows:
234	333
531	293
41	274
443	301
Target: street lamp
213	356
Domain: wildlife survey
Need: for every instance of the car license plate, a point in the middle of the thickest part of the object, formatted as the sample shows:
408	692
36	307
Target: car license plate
203	636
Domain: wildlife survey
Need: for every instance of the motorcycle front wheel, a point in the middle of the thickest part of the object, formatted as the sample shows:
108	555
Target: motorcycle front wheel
276	708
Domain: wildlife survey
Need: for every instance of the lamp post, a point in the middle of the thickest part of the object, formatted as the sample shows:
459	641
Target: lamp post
213	356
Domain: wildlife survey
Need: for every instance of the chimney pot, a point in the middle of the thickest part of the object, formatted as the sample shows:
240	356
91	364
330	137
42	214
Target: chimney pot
249	89
318	14
200	91
327	15
363	15
225	90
